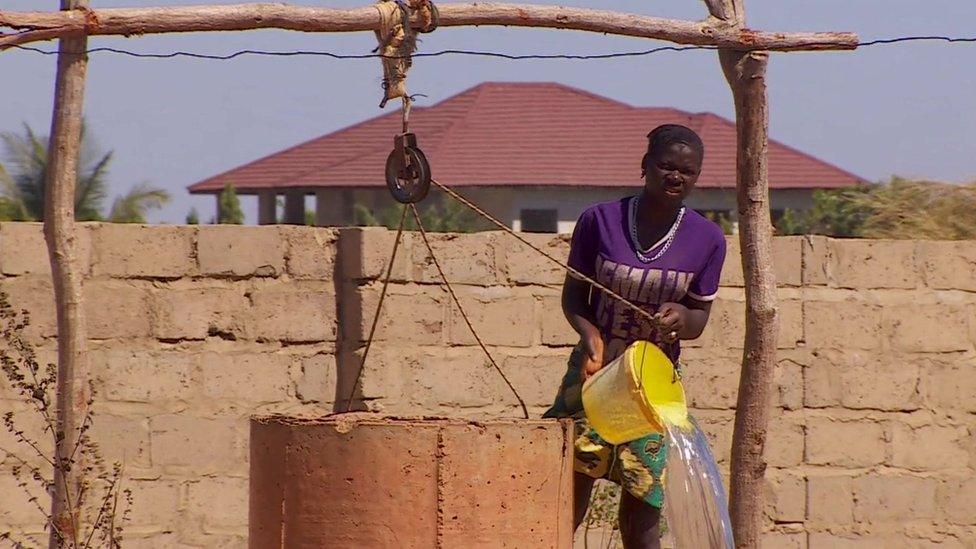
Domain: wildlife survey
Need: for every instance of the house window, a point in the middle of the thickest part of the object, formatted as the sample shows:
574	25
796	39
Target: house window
539	221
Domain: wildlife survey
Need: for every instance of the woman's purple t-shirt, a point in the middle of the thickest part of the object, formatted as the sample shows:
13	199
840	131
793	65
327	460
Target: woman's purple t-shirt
602	248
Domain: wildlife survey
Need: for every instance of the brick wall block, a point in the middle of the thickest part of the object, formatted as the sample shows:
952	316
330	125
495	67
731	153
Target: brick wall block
842	325
928	328
184	443
462	378
957	500
36	295
948	265
115	309
365	253
555	329
788	260
784	540
245	379
523	265
17	510
732	269
784	441
816	260
873	263
133	375
156	505
786	496
231	250
500	316
123	438
198	312
412	315
23	250
892	498
858	443
311	252
535	375
789	381
464	258
142	251
862	380
293	313
949	382
929	447
711	382
220	503
315	381
830	499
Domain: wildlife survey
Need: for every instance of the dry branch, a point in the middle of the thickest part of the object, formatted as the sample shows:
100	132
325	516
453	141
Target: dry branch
135	21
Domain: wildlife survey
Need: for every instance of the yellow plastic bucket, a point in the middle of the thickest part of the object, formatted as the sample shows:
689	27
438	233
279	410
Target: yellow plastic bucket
635	395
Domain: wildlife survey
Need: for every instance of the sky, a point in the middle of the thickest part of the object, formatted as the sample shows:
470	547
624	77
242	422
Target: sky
905	109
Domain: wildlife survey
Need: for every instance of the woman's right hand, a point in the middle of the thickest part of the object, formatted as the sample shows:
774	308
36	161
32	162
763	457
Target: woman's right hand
592	354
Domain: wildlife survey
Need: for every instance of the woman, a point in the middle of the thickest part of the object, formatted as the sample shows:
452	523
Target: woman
666	259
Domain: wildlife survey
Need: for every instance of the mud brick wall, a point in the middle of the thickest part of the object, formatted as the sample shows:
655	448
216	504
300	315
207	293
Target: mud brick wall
872	435
193	329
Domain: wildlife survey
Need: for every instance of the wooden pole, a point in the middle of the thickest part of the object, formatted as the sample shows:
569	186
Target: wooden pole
134	21
746	74
60	232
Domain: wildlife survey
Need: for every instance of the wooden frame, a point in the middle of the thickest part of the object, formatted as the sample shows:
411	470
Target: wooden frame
743	59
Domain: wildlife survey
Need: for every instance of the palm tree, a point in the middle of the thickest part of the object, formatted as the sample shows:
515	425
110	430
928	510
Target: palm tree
22	184
132	207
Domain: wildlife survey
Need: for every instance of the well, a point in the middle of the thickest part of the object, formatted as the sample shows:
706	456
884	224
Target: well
362	480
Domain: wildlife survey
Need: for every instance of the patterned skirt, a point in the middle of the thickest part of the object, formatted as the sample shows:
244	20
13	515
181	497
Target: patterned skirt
638	466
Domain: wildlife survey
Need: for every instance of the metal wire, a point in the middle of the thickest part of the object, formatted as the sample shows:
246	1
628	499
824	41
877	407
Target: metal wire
450	290
475	53
379	307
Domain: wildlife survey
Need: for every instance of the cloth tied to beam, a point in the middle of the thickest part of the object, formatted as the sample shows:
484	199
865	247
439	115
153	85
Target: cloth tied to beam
397	41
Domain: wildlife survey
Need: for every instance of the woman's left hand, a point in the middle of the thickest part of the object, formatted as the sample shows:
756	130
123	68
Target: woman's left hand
672	319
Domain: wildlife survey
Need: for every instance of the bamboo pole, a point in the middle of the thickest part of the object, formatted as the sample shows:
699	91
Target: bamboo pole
746	74
37	26
60	231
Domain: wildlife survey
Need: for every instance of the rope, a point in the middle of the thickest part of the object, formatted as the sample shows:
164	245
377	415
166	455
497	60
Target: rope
450	290
379	307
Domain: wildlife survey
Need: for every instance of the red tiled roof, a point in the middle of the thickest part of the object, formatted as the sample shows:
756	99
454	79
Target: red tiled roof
519	134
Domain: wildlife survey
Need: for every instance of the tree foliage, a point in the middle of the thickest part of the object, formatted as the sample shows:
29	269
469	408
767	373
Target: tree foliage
230	207
24	171
441	217
899	209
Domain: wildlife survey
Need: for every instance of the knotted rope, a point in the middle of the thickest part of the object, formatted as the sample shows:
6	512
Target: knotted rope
397	42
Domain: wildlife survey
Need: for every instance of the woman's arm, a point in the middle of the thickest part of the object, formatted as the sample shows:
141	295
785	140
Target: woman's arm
576	307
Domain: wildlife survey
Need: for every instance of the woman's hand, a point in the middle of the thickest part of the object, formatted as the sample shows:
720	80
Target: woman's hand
592	354
673	320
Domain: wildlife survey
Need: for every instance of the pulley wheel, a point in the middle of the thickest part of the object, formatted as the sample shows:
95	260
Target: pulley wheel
409	182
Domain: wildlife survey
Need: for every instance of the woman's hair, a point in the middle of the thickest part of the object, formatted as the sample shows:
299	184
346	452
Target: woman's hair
666	135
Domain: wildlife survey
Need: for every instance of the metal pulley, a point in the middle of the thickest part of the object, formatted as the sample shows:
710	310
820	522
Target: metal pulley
407	170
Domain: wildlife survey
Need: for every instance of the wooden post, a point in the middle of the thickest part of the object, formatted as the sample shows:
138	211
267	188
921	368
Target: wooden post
60	232
746	74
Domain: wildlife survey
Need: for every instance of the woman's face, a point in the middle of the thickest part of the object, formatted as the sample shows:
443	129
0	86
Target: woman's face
671	174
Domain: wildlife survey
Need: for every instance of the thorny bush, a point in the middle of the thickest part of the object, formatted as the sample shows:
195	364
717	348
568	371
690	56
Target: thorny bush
100	507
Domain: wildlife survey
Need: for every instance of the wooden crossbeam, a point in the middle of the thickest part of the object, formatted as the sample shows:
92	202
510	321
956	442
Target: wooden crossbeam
37	26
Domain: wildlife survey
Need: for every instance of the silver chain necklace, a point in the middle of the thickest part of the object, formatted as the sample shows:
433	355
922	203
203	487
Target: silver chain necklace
668	238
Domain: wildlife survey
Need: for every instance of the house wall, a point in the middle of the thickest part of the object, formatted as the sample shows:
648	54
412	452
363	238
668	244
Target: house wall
506	203
193	329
